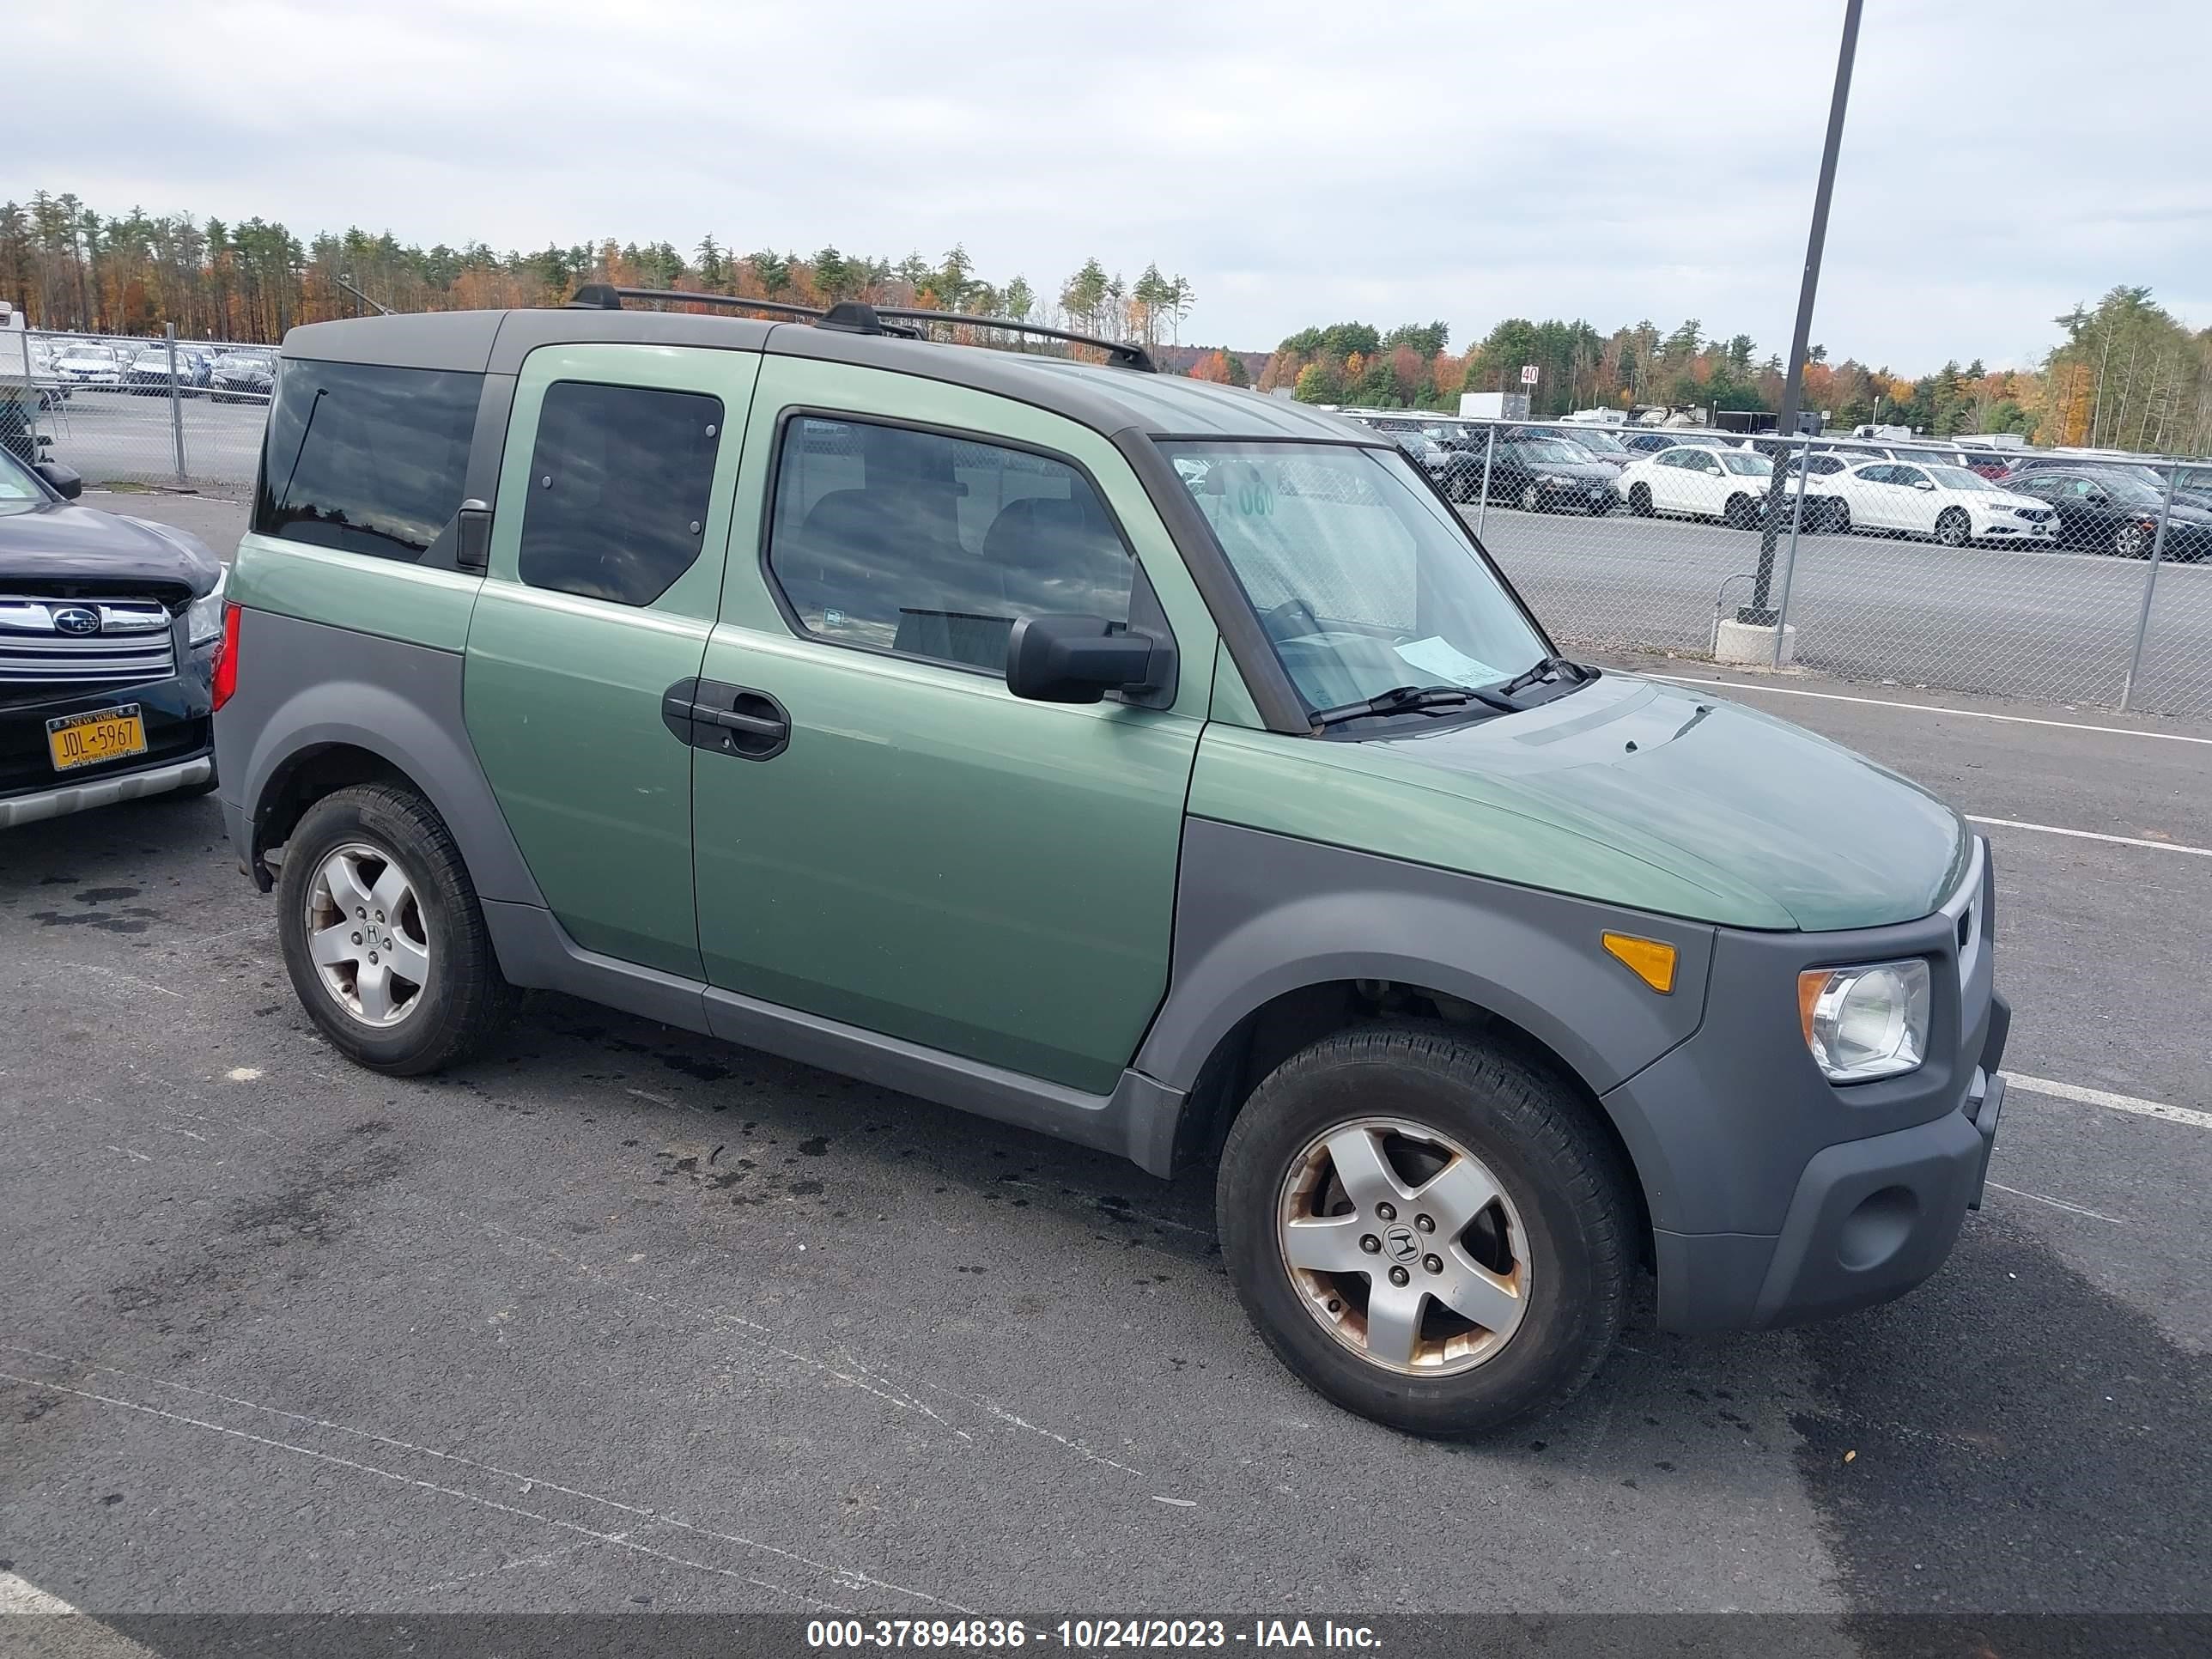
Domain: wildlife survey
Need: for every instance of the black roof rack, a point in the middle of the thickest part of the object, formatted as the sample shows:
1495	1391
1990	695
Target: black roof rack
852	317
598	296
1123	354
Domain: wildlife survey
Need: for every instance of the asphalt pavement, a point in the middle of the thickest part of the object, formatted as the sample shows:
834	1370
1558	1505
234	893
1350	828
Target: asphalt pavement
619	1318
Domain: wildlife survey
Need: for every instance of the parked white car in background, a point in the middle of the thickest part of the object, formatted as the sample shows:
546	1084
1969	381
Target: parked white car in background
1704	483
82	362
1951	504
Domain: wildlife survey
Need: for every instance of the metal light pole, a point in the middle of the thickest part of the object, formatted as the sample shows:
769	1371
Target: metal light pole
1785	423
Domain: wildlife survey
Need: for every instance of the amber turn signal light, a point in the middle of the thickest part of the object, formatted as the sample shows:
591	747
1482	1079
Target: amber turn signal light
1647	958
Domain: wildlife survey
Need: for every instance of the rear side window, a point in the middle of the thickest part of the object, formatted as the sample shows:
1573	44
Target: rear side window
619	480
931	545
363	459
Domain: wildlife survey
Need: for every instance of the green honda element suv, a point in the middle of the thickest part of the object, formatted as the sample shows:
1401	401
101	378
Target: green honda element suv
1147	763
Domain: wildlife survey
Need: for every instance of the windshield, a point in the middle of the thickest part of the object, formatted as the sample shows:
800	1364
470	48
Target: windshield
15	484
1957	477
1740	460
1554	451
1599	443
1363	580
2123	488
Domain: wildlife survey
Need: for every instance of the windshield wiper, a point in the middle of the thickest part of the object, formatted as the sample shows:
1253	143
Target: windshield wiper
1407	699
1545	669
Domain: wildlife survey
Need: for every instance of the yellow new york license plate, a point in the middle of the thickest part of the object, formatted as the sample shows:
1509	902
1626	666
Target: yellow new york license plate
103	734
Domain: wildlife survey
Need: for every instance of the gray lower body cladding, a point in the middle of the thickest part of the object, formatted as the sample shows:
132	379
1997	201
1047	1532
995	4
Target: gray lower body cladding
1778	1197
304	688
1136	1121
1774	1195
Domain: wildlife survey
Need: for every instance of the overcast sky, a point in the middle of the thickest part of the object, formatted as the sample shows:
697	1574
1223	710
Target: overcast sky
1299	163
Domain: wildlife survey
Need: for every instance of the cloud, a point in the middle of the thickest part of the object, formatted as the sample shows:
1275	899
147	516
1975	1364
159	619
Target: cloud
1298	161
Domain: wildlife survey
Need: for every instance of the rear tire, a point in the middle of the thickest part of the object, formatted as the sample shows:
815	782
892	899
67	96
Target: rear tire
1840	519
1546	1254
460	999
1639	500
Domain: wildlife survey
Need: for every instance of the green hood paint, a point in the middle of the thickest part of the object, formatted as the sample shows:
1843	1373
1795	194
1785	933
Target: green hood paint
1629	791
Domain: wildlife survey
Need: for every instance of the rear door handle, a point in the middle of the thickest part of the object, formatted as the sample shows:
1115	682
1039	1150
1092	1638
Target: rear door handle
726	720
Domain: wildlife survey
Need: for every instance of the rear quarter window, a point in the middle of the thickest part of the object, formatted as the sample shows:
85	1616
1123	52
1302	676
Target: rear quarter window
365	459
619	482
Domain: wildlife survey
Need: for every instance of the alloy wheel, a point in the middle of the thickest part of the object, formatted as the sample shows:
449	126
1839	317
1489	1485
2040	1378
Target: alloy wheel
365	934
1404	1246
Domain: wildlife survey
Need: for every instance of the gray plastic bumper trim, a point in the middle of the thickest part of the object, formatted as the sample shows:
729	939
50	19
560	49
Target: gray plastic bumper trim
105	792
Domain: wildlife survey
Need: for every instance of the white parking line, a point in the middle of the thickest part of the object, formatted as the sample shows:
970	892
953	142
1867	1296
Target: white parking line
2093	834
17	1596
1927	707
2110	1102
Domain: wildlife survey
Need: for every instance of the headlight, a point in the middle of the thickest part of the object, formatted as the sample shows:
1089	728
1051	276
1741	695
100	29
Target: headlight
1863	1023
1550	482
204	621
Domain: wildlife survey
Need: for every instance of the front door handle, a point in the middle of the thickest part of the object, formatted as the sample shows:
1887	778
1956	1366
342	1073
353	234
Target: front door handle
728	719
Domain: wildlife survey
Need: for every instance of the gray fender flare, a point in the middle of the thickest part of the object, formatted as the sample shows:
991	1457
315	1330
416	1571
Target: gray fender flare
430	748
1324	915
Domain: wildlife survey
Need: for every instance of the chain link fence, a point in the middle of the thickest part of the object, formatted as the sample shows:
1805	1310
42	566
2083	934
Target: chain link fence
184	414
2067	577
2064	577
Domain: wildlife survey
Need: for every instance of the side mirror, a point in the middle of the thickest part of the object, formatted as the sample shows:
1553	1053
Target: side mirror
67	480
472	536
1075	659
1923	484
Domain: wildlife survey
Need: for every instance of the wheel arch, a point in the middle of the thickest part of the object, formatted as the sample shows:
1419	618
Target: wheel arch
1266	1035
318	708
1281	942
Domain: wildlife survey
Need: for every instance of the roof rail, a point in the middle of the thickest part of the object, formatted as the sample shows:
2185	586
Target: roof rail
853	316
600	296
1123	354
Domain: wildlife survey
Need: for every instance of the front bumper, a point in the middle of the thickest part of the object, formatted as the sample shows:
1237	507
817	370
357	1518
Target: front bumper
106	791
1777	1197
1583	495
179	740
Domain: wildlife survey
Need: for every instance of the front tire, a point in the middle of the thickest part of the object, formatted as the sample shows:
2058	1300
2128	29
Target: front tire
1506	1302
382	934
1954	528
1532	499
1639	500
2131	541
